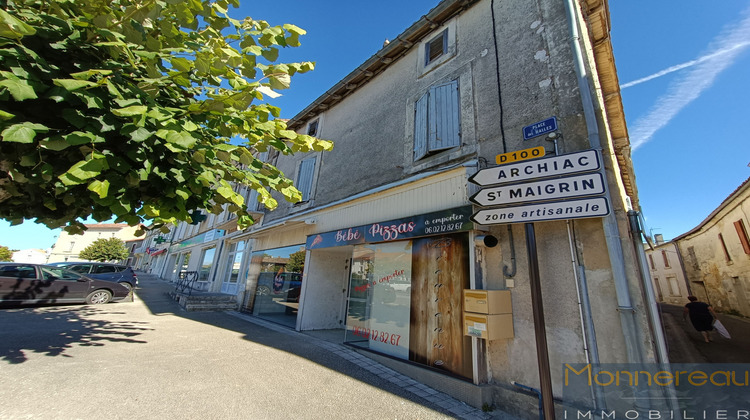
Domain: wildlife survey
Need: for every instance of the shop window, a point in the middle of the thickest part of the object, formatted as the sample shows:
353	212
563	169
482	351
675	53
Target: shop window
305	178
207	261
405	301
437	120
279	283
230	282
742	233
724	248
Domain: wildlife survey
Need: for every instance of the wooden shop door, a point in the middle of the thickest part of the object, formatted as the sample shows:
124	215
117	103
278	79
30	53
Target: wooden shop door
440	271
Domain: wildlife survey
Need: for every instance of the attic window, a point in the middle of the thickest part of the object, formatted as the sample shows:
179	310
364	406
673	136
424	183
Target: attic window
436	47
312	128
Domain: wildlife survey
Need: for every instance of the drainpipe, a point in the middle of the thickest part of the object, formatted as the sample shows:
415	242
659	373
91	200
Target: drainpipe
657	330
590	347
611	230
653	311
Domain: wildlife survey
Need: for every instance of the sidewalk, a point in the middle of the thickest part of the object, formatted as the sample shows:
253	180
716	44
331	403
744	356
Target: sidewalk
331	344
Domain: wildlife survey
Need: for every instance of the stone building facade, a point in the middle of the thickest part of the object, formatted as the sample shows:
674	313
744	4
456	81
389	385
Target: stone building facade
389	245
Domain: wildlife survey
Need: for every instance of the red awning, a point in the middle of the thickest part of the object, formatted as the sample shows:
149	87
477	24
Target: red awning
161	251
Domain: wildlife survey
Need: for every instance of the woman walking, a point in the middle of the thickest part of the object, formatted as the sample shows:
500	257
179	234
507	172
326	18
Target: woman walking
701	316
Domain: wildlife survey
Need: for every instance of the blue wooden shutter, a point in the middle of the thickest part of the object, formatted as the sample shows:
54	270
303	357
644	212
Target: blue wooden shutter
444	122
252	194
305	178
420	127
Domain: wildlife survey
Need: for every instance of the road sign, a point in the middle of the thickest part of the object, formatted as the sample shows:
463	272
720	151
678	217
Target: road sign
548	189
532	153
561	210
572	163
539	128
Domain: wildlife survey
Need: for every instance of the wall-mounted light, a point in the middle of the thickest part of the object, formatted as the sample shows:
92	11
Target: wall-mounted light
488	241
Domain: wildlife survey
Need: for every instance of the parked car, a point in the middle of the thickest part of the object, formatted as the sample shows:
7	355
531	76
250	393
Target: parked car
103	271
36	283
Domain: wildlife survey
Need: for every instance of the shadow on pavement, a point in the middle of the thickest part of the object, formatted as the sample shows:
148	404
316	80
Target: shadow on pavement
58	328
154	294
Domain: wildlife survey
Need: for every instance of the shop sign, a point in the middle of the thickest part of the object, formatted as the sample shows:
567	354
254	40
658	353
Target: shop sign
548	189
561	210
586	161
445	221
159	252
207	236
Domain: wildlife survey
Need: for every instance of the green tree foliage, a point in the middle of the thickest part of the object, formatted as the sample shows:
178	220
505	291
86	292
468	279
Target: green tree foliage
5	253
126	108
110	249
296	262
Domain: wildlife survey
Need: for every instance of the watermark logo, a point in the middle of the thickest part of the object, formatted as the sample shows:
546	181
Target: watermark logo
692	391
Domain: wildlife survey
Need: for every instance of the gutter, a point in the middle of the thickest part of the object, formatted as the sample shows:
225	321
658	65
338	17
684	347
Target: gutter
611	229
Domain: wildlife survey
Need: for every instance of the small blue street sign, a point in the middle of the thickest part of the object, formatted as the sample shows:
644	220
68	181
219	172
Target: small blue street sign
542	127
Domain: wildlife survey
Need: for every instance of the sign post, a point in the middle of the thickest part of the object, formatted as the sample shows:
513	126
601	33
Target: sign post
532	181
540	329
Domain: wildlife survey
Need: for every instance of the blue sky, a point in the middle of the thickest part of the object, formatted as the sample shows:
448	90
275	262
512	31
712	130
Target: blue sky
687	121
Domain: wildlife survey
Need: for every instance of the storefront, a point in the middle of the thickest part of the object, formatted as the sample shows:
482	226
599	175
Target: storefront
197	254
402	287
233	267
277	275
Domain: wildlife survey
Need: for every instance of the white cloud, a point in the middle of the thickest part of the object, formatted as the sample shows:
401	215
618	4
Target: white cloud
723	52
690	63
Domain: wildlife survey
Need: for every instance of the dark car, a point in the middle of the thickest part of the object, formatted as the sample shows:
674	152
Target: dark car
103	271
34	283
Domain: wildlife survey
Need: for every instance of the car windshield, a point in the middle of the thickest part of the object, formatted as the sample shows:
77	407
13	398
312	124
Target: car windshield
57	273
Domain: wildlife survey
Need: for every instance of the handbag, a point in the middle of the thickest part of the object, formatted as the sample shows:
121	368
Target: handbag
719	327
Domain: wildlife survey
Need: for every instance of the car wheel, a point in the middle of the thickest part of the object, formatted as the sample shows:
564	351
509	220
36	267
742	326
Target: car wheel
98	297
263	290
126	285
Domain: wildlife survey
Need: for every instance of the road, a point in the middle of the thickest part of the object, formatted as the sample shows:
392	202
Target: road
149	359
686	345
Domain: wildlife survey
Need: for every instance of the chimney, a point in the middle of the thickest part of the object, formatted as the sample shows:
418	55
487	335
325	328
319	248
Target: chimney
659	239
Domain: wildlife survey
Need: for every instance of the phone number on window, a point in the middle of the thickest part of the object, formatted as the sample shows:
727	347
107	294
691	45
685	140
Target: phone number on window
450	227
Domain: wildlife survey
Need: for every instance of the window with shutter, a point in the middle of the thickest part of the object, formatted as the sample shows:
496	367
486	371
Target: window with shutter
305	178
436	47
420	127
436	120
742	233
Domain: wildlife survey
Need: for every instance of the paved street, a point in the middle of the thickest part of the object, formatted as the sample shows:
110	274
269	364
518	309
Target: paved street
686	345
148	359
